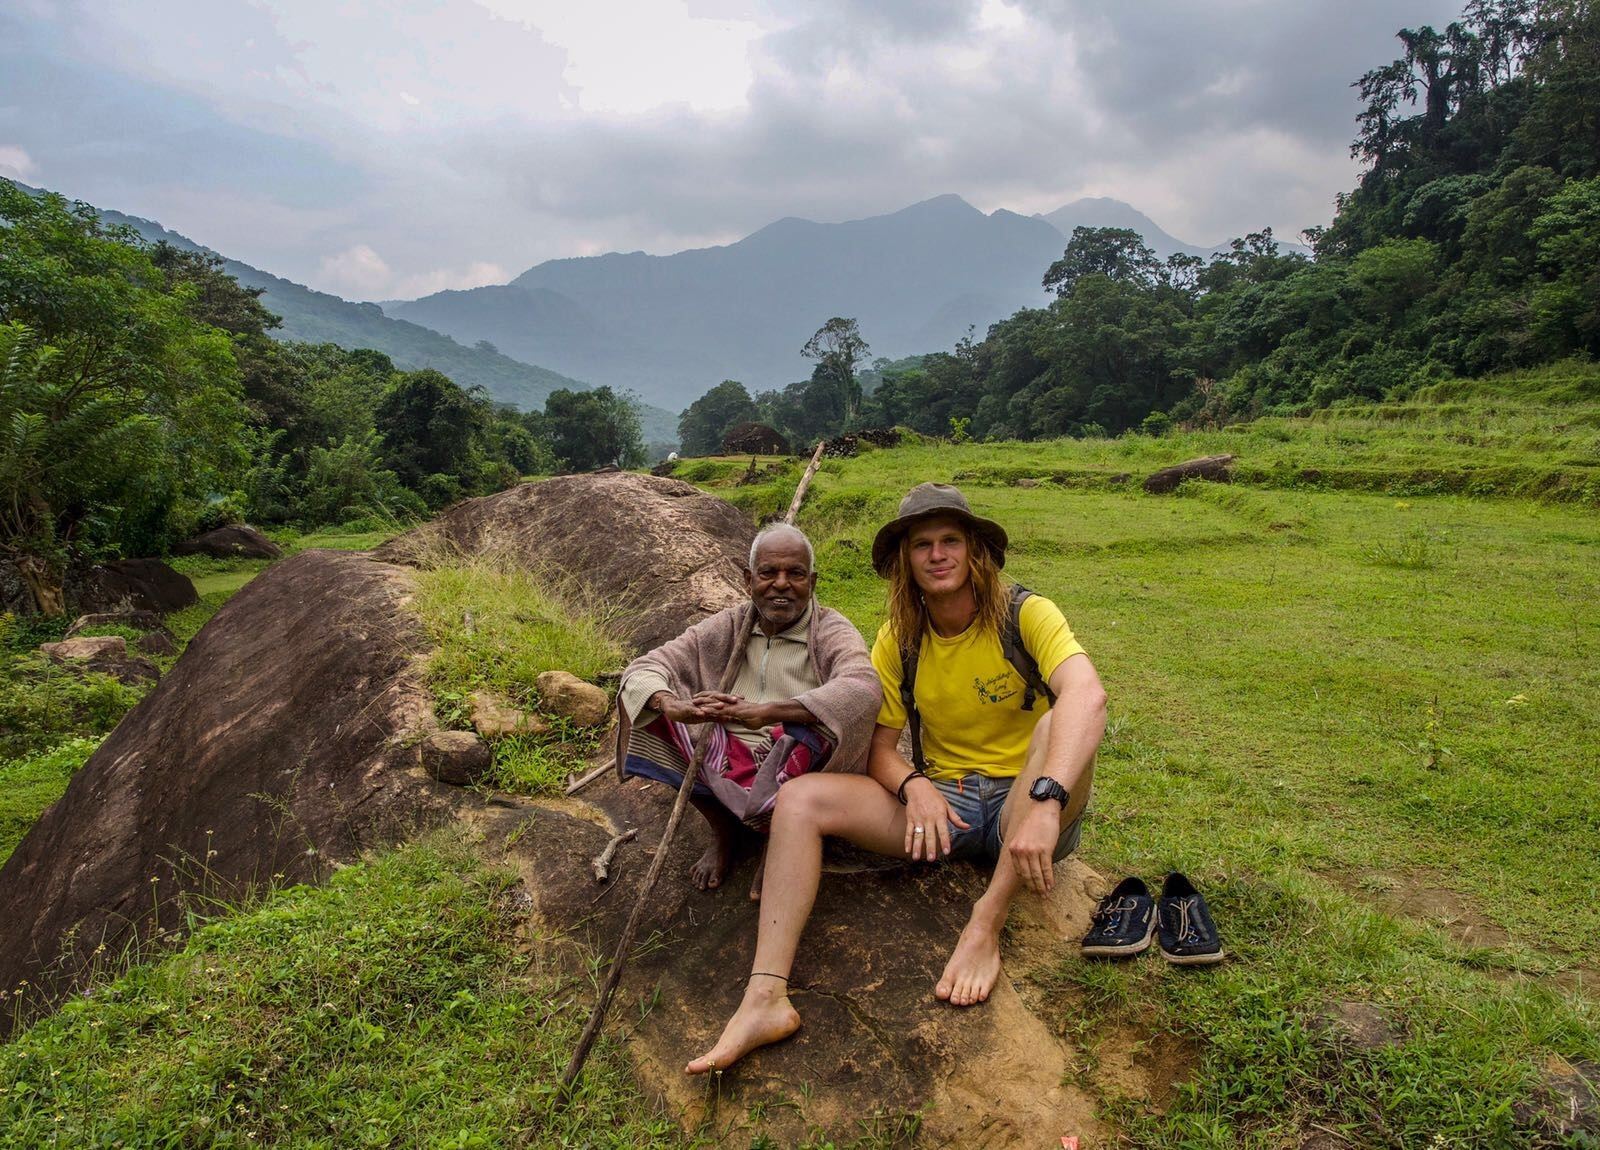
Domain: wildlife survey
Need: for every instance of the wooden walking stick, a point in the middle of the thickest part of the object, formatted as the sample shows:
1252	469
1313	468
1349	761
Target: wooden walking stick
591	1031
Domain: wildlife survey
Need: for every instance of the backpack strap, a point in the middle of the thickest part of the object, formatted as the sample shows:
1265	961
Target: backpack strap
1011	646
908	698
1017	653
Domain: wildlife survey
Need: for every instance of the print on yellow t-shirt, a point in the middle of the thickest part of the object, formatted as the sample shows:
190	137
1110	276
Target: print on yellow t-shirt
970	698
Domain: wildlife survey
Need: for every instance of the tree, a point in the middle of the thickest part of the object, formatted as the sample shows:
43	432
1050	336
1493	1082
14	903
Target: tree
704	422
837	347
595	428
121	411
1118	253
428	424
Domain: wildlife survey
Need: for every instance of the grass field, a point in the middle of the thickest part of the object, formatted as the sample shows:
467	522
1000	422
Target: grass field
1362	722
393	1007
1353	697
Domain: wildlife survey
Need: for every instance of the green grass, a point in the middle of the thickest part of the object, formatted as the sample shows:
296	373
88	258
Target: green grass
1323	695
1530	434
31	783
391	1007
496	627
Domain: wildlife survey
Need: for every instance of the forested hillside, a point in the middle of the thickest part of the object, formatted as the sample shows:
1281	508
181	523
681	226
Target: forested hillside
1470	245
141	399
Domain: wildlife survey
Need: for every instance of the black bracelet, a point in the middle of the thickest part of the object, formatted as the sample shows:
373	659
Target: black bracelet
901	793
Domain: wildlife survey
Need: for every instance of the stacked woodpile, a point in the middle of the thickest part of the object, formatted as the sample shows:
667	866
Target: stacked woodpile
847	445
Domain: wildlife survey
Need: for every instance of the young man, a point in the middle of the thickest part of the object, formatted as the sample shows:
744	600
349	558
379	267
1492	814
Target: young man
997	780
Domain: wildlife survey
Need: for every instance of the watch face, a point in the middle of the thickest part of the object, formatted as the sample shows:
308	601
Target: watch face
1048	789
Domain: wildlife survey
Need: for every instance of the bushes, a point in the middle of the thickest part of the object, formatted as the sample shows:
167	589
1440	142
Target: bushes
41	704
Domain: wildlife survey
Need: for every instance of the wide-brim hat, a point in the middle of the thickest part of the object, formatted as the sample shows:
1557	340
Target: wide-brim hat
929	501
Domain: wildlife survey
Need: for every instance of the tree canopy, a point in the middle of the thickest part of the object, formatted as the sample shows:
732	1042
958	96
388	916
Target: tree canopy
1469	244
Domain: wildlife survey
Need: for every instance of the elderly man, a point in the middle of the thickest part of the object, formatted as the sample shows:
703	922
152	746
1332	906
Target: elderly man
805	699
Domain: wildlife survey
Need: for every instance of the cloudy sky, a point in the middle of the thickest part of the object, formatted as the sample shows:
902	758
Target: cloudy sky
385	150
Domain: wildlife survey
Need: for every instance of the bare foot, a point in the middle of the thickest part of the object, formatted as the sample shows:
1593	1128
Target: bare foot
973	969
711	868
764	1017
761	871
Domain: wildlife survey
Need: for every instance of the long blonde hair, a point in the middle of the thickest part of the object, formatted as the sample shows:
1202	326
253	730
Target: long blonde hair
908	614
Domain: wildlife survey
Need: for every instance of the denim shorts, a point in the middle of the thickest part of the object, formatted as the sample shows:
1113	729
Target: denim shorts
978	800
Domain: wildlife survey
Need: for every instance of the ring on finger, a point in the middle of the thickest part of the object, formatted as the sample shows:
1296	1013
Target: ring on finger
916	830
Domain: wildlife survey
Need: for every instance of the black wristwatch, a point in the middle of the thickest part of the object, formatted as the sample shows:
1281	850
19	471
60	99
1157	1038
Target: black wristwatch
1048	788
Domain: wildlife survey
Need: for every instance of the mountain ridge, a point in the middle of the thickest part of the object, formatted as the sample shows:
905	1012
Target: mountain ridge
672	326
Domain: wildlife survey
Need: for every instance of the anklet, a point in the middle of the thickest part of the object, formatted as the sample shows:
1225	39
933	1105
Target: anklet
764	974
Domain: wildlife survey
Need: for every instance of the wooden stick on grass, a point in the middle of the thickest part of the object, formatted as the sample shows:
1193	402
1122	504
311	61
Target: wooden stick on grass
805	482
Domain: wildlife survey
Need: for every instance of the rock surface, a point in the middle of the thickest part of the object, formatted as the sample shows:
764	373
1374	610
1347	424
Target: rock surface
235	541
156	643
656	554
563	693
93	647
875	1046
282	739
459	758
1212	467
131	585
495	718
147	622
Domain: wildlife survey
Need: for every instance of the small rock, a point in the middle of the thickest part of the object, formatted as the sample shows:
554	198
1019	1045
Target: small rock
105	654
128	672
1361	1025
156	643
570	697
1027	482
93	647
457	757
493	717
1567	1102
131	585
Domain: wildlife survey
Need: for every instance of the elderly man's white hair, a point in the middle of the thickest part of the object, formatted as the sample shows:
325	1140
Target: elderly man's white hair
782	531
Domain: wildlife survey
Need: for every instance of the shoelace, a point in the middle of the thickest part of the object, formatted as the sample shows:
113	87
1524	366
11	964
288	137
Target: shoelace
1186	931
1112	914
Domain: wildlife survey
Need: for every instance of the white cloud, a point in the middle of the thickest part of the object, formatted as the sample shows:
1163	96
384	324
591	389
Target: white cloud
358	272
462	137
629	58
16	163
476	274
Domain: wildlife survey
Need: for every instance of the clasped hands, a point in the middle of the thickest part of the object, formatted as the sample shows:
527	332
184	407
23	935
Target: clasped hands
718	707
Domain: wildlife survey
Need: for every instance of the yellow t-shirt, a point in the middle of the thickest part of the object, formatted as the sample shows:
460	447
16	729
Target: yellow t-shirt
970	698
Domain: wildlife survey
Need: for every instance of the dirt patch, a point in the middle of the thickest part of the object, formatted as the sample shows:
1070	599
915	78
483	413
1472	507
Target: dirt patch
1419	895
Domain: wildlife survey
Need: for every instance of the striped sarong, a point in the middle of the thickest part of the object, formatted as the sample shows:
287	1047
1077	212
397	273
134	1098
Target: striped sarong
744	779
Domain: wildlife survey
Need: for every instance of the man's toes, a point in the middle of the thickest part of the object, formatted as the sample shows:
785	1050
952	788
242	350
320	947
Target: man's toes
944	990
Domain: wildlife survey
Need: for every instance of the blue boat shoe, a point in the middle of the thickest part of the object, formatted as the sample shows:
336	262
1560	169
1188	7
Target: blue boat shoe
1122	923
1188	935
